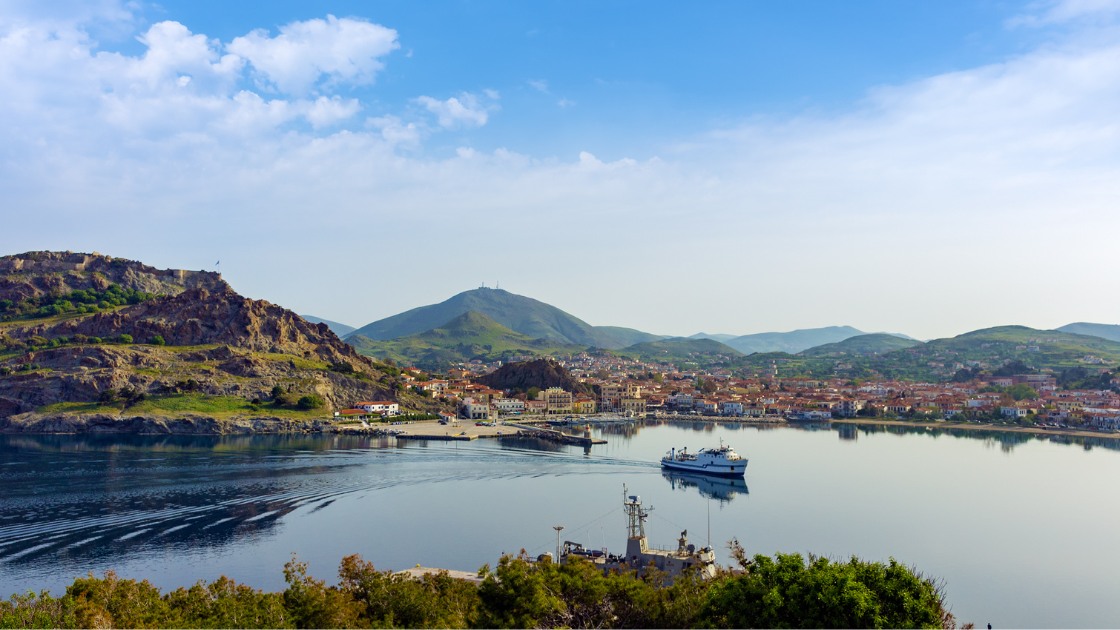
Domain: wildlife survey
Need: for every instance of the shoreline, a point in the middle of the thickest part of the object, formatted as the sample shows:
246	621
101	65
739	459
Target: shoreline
976	426
465	429
892	422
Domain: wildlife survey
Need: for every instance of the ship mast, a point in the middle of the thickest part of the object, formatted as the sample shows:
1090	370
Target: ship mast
636	515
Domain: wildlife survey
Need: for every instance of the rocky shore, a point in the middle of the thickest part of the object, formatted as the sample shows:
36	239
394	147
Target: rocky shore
183	425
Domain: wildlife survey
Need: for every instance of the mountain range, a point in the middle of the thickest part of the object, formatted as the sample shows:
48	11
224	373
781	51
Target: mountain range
491	324
792	342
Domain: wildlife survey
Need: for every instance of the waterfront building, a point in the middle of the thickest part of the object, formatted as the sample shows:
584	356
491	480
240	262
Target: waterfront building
557	400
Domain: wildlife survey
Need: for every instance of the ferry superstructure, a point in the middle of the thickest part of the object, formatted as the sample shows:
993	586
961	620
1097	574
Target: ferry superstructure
722	461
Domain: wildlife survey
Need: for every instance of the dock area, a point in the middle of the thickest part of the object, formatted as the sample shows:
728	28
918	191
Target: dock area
467	430
439	437
555	435
462	431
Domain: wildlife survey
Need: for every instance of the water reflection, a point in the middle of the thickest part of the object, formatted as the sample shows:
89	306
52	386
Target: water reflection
521	443
1007	440
722	489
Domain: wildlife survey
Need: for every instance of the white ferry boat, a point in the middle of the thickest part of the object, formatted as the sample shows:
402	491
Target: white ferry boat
723	461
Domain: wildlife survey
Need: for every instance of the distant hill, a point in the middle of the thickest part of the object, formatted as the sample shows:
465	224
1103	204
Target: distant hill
791	342
468	336
1049	349
95	343
717	337
862	345
339	329
981	351
682	350
524	315
1104	331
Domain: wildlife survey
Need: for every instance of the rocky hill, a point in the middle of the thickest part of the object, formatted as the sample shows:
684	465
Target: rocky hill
542	374
86	339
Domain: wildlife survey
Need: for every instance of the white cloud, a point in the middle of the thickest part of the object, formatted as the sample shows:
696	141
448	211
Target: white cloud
465	110
539	85
1063	11
396	132
334	51
325	112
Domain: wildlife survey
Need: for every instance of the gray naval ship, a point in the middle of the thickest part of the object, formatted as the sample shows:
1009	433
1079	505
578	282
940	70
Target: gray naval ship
640	557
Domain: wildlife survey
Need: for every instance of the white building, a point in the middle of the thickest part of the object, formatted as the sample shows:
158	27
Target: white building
509	405
383	407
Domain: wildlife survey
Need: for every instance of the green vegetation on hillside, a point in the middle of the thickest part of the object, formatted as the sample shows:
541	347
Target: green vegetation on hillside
468	336
782	592
79	302
524	315
862	345
994	351
682	350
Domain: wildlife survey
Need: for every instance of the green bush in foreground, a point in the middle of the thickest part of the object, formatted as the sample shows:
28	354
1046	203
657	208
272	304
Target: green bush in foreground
784	591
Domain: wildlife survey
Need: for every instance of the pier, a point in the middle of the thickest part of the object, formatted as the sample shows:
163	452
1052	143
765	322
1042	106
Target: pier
438	437
555	435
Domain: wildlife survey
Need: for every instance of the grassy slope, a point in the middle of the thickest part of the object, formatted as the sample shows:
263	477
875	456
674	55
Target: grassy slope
521	314
876	343
469	336
938	359
682	350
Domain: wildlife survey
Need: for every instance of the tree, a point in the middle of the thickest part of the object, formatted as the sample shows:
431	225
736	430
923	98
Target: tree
1021	391
225	604
311	604
37	611
112	602
157	340
310	401
516	596
788	591
393	600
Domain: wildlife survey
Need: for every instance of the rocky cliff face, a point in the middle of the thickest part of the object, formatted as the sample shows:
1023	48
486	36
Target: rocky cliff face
36	274
198	337
542	374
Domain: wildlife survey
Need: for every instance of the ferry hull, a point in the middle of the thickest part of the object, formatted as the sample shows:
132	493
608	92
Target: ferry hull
732	469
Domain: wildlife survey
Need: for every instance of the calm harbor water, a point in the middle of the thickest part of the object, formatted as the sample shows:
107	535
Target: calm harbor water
1021	529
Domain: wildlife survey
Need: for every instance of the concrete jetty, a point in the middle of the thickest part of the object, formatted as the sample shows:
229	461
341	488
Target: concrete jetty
555	435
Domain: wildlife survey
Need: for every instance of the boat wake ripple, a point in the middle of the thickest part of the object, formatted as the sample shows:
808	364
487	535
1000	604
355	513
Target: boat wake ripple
59	511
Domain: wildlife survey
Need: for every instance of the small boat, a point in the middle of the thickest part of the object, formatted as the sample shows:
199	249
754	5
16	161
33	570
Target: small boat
723	461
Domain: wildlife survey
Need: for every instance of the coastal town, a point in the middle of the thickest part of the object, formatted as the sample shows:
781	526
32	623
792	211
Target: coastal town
634	389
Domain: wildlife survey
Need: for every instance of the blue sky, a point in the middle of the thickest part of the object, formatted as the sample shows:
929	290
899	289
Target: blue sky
921	167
